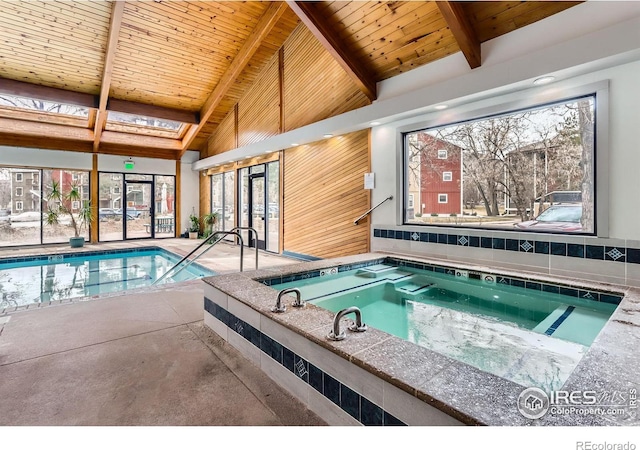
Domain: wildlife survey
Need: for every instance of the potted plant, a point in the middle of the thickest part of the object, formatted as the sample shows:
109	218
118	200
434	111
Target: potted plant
70	204
194	228
209	221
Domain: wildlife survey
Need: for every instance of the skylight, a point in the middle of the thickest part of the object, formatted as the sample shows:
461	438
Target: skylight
145	125
33	104
144	121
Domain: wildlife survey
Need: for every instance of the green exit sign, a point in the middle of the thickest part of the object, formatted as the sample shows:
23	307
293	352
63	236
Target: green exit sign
129	165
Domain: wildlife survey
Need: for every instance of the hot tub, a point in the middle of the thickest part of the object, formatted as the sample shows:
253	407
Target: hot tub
432	366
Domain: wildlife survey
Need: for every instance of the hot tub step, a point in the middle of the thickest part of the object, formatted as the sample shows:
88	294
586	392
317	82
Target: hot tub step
375	270
414	288
572	323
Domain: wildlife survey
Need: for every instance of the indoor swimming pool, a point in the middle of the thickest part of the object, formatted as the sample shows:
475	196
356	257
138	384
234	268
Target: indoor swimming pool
48	278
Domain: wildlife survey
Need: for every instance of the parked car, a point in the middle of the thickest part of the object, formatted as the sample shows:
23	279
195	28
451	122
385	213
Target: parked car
107	213
5	215
131	213
561	217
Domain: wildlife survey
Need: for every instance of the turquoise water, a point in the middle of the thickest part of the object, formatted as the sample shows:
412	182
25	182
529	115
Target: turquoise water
531	337
27	282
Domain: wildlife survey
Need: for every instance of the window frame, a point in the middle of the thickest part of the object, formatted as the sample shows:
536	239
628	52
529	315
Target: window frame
444	153
535	97
21	203
444	176
21	191
446	199
19	177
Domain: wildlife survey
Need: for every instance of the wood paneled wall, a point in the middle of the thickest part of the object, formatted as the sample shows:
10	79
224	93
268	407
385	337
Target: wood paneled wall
323	184
258	110
224	139
324	193
315	86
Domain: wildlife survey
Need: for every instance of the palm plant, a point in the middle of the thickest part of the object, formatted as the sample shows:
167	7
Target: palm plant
61	203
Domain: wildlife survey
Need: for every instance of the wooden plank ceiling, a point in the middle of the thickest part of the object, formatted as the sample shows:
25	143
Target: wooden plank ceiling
192	61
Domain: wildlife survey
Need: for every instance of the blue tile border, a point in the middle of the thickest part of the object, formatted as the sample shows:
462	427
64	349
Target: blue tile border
58	258
357	406
536	285
599	252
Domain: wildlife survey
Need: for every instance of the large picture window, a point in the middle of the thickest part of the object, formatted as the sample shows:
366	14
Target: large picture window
25	201
527	170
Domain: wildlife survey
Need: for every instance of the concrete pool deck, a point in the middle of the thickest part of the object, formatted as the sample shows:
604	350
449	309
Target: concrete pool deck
137	358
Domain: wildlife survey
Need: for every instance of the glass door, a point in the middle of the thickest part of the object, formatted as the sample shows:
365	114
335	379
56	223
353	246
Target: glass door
137	214
257	203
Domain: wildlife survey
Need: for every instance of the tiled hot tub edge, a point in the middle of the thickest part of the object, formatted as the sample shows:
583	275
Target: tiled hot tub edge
439	383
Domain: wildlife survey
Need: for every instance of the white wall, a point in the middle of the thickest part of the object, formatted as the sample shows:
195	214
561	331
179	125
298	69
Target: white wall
190	193
624	158
113	163
50	159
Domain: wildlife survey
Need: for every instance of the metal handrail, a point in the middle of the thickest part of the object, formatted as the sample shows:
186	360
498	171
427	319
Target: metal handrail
355	222
206	241
256	239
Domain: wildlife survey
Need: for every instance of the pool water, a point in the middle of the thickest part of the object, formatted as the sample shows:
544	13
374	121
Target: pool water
62	277
533	338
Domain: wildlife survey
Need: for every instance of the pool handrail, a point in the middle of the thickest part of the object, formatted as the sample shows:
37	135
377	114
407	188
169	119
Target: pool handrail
355	222
255	239
358	326
206	241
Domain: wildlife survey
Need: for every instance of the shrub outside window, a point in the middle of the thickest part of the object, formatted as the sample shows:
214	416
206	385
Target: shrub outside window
506	171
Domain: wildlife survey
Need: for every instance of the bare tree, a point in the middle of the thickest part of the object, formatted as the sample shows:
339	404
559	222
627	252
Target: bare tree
585	115
520	157
33	104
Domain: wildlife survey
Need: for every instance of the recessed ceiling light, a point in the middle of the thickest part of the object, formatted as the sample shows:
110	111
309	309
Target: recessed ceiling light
544	80
294	144
374	123
328	135
441	106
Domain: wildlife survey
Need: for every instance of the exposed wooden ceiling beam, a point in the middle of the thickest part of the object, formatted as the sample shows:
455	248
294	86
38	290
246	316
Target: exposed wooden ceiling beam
462	31
21	133
44	142
130	140
274	11
112	43
137	152
308	13
158	112
50	94
24	128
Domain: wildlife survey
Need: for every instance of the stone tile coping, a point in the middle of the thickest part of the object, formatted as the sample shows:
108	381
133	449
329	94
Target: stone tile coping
470	395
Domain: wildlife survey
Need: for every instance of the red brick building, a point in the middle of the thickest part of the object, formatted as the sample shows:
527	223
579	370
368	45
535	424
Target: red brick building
440	176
